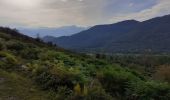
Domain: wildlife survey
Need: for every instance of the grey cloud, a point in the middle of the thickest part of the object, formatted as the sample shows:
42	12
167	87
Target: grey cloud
54	13
161	8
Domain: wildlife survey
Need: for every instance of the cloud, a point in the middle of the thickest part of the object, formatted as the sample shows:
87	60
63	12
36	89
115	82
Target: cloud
161	8
55	13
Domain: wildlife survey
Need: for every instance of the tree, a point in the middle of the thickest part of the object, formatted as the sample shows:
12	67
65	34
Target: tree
38	38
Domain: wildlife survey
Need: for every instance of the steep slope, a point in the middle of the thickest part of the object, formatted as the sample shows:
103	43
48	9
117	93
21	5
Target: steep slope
126	36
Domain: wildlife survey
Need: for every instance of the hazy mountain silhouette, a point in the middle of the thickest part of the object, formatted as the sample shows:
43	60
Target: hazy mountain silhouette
55	32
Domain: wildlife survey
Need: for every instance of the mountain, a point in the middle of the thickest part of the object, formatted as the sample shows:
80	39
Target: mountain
125	36
55	32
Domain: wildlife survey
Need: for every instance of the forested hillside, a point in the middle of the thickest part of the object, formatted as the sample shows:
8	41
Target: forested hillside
123	37
33	70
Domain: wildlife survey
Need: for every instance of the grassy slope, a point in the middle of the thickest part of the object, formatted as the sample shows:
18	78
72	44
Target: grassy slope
16	87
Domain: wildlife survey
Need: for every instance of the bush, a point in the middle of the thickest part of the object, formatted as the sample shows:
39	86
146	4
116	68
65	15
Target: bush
92	91
7	61
152	91
52	78
53	55
68	77
63	93
98	93
43	78
30	53
16	46
116	80
5	36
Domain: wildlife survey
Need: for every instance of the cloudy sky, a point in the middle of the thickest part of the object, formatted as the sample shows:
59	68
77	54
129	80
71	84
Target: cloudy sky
56	13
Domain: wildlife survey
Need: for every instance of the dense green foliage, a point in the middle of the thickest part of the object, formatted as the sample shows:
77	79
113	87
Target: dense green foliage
70	76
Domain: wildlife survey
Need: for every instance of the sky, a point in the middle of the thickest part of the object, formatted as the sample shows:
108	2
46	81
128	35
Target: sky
57	13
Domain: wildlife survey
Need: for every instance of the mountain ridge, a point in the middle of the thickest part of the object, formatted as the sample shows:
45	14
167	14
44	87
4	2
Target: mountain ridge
55	32
125	36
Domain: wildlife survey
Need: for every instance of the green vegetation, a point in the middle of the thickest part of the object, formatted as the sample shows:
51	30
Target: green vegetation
33	70
16	87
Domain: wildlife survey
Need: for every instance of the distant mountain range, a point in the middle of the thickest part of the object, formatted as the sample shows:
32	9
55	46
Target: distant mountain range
55	32
126	36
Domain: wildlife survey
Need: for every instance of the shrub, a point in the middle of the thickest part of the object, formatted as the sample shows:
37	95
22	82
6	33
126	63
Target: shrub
152	91
5	36
16	46
52	78
49	55
63	93
7	61
93	91
68	77
98	93
53	55
43	77
30	53
116	80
